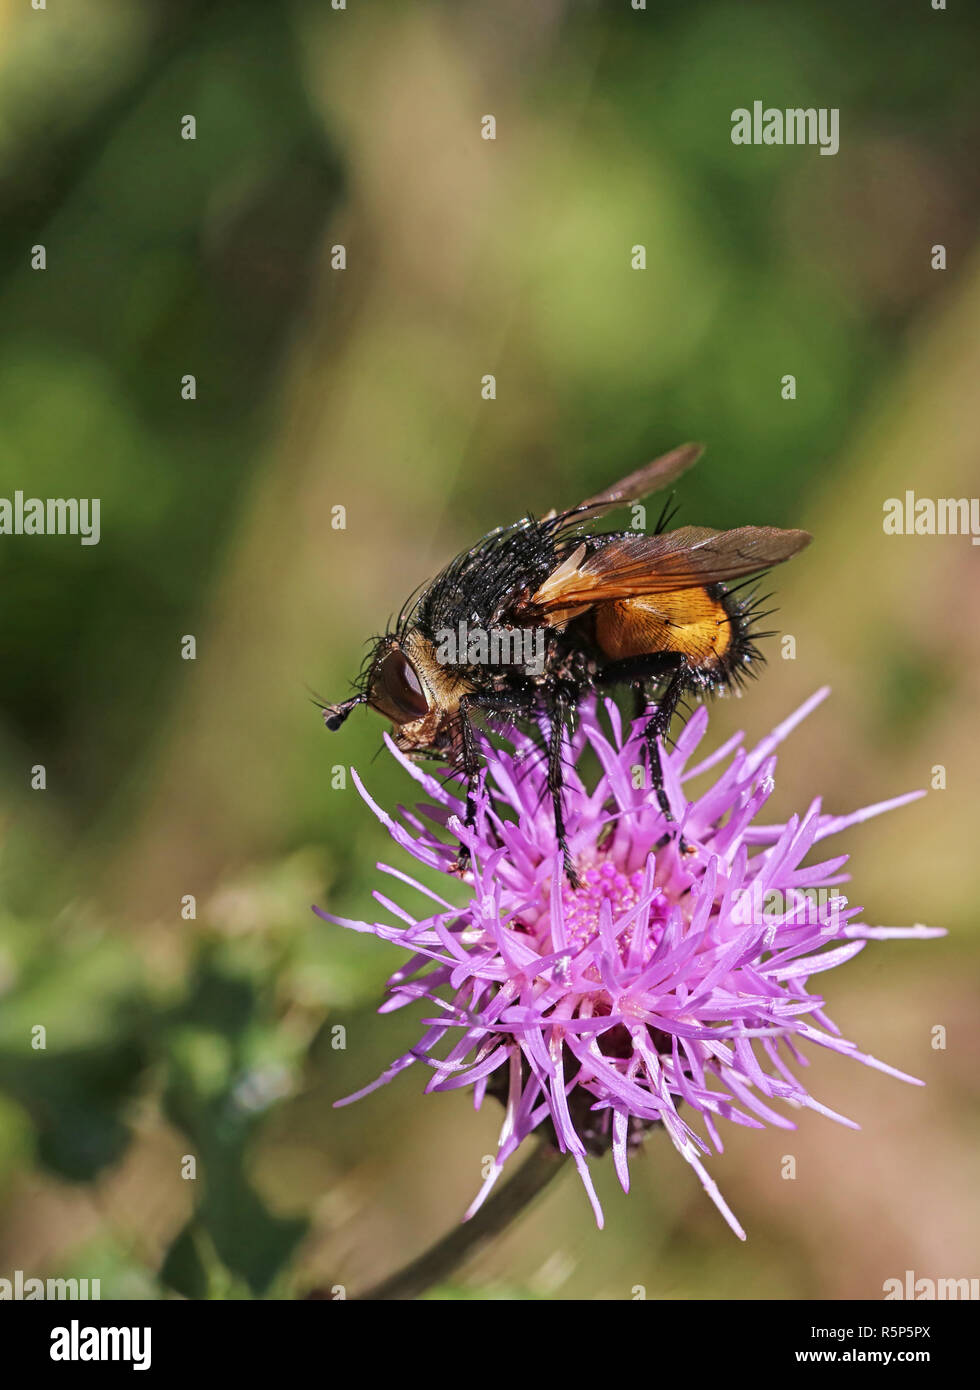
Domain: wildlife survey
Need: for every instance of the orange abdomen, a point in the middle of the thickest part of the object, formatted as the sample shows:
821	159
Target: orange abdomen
689	621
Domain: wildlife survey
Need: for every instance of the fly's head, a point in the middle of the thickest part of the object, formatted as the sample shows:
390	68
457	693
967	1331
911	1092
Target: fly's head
407	684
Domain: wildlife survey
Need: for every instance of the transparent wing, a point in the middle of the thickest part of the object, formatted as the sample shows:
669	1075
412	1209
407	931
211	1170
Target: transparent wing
650	478
688	558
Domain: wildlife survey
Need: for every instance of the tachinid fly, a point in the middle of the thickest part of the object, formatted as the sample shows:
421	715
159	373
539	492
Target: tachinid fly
538	614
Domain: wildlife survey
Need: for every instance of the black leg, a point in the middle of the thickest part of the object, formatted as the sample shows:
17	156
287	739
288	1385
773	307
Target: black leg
657	729
519	701
636	671
471	771
560	704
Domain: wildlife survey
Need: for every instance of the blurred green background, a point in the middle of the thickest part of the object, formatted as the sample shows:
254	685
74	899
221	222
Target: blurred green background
318	387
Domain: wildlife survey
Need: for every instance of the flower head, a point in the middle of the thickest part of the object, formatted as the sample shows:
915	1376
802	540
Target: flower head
671	987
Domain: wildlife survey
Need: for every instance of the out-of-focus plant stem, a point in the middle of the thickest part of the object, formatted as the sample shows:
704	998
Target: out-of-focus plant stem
466	1240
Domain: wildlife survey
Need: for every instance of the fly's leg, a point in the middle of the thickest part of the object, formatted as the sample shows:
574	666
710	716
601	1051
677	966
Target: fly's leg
657	730
561	703
471	770
520	701
637	671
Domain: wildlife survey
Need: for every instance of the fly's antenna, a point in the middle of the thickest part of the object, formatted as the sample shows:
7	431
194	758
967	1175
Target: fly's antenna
334	715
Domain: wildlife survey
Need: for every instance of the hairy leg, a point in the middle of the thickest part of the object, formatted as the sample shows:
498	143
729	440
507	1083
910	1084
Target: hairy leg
521	701
560	703
657	729
669	669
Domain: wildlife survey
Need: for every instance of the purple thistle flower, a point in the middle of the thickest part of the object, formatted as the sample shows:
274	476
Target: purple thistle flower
670	987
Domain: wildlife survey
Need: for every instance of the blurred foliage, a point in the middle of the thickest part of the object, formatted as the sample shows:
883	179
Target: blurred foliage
212	1035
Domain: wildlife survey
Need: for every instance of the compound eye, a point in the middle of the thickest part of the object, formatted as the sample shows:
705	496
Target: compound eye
401	687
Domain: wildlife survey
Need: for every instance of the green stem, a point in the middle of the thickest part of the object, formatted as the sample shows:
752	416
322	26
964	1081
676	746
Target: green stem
471	1236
